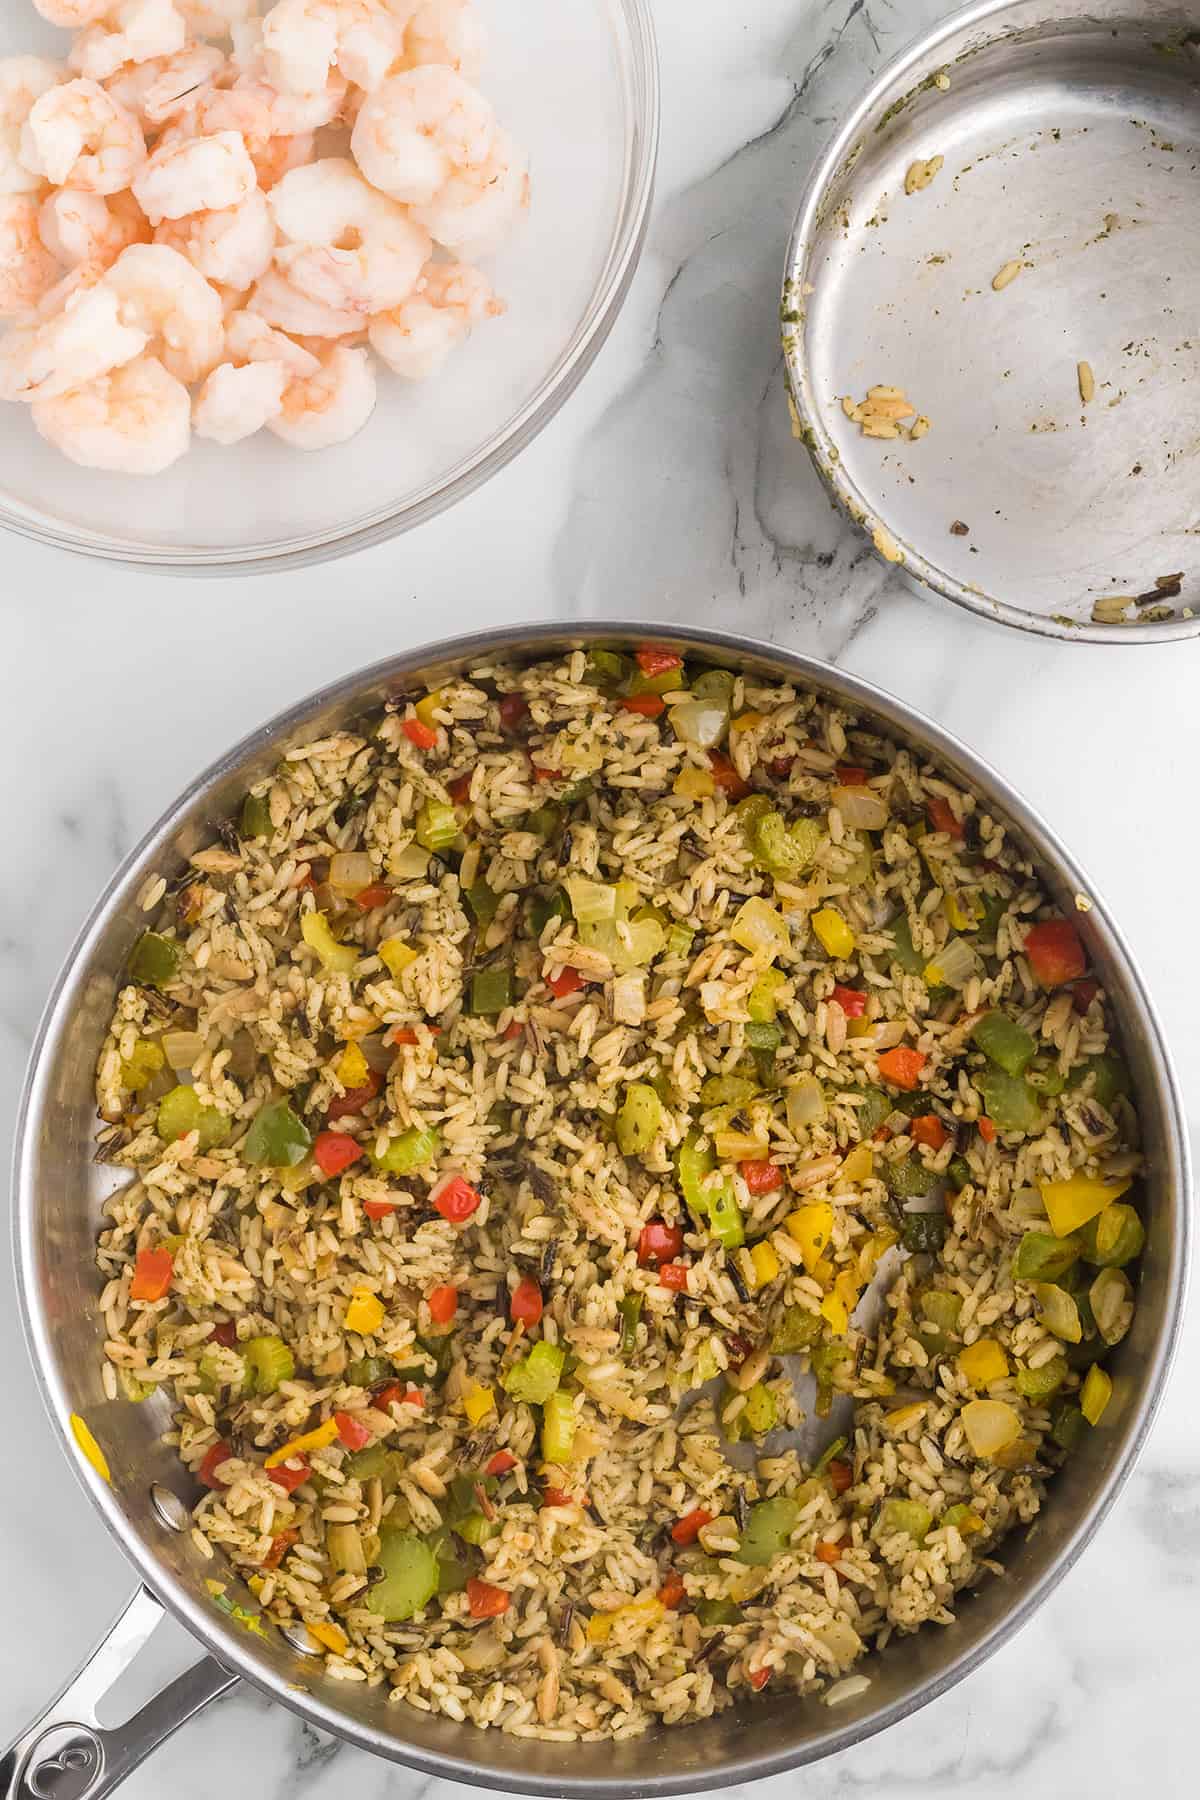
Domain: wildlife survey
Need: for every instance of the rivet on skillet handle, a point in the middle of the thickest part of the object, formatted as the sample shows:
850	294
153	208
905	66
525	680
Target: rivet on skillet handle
67	1755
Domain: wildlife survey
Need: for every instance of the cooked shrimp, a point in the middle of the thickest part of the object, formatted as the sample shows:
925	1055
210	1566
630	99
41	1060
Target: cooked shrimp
77	227
304	40
27	269
477	208
284	306
201	174
231	246
330	406
161	294
75	335
345	244
248	338
136	420
132	32
274	157
415	338
418	130
23	79
72	15
166	86
78	136
449	32
234	403
216	18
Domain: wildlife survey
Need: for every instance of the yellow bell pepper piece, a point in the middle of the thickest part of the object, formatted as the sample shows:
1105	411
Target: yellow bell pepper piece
872	1248
335	958
426	708
745	722
836	936
837	1306
901	1417
959	911
256	1584
982	1363
396	955
812	1228
351	1067
317	1439
1070	1204
478	1401
740	1146
296	1179
766	1263
90	1448
969	1524
859	1165
331	1635
692	783
1097	1392
647	1611
365	1312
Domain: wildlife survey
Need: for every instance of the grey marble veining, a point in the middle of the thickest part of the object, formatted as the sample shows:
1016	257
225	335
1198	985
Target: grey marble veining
669	488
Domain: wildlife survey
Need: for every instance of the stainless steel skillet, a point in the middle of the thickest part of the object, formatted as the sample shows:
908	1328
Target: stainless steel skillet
59	1190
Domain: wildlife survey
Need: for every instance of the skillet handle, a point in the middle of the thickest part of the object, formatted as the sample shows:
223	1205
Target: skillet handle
67	1755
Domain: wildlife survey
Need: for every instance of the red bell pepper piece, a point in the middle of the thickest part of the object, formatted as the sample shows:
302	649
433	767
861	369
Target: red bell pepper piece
987	1130
484	1600
649	705
284	1476
459	789
758	1678
850	776
942	817
351	1431
674	1275
653	661
512	1030
455	1199
378	894
525	1307
334	1151
152	1271
658	1242
567	981
726	776
379	1209
672	1593
354	1099
501	1463
687	1529
929	1130
852	1001
761	1177
841	1475
514	709
1085	993
443	1304
224	1334
902	1067
1055	953
418	733
206	1474
281	1543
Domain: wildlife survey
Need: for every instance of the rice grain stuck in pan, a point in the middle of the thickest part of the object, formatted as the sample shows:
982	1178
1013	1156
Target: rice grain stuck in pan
531	1072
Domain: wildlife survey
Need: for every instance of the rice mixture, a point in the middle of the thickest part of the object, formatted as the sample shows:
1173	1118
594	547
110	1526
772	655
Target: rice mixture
523	1095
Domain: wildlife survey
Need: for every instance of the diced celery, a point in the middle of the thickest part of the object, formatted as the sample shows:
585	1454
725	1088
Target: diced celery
536	1376
769	1527
903	1515
268	1362
592	902
256	817
345	1547
181	1112
1004	1042
725	1215
335	958
795	1329
143	1063
679	940
411	1150
1058	1312
639	1120
1008	1100
718	1612
760	928
605	669
694	1160
436	825
761	1411
763	1003
727	1090
1045	1380
558	1427
410	1578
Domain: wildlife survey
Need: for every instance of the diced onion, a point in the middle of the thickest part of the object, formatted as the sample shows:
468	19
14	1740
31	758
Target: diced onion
1111	1295
991	1426
861	808
350	871
953	965
757	927
591	901
408	864
700	722
805	1103
182	1049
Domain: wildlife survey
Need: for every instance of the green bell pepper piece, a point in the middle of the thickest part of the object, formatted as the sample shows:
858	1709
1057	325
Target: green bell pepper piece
639	1120
411	1150
769	1527
795	1329
1004	1042
1008	1100
904	951
491	990
154	960
536	1376
1110	1077
256	817
410	1578
277	1139
694	1160
483	901
1043	1257
180	1112
630	1309
725	1216
558	1427
1114	1237
268	1362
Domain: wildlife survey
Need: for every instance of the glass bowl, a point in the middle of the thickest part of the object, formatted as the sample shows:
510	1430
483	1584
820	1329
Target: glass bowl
576	82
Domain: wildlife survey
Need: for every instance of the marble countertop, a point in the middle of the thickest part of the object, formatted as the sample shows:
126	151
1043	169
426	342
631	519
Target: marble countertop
668	488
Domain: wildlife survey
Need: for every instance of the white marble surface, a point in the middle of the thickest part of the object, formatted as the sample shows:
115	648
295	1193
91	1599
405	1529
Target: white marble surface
668	489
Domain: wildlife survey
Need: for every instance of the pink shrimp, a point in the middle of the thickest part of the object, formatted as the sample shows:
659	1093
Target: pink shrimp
27	269
415	338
